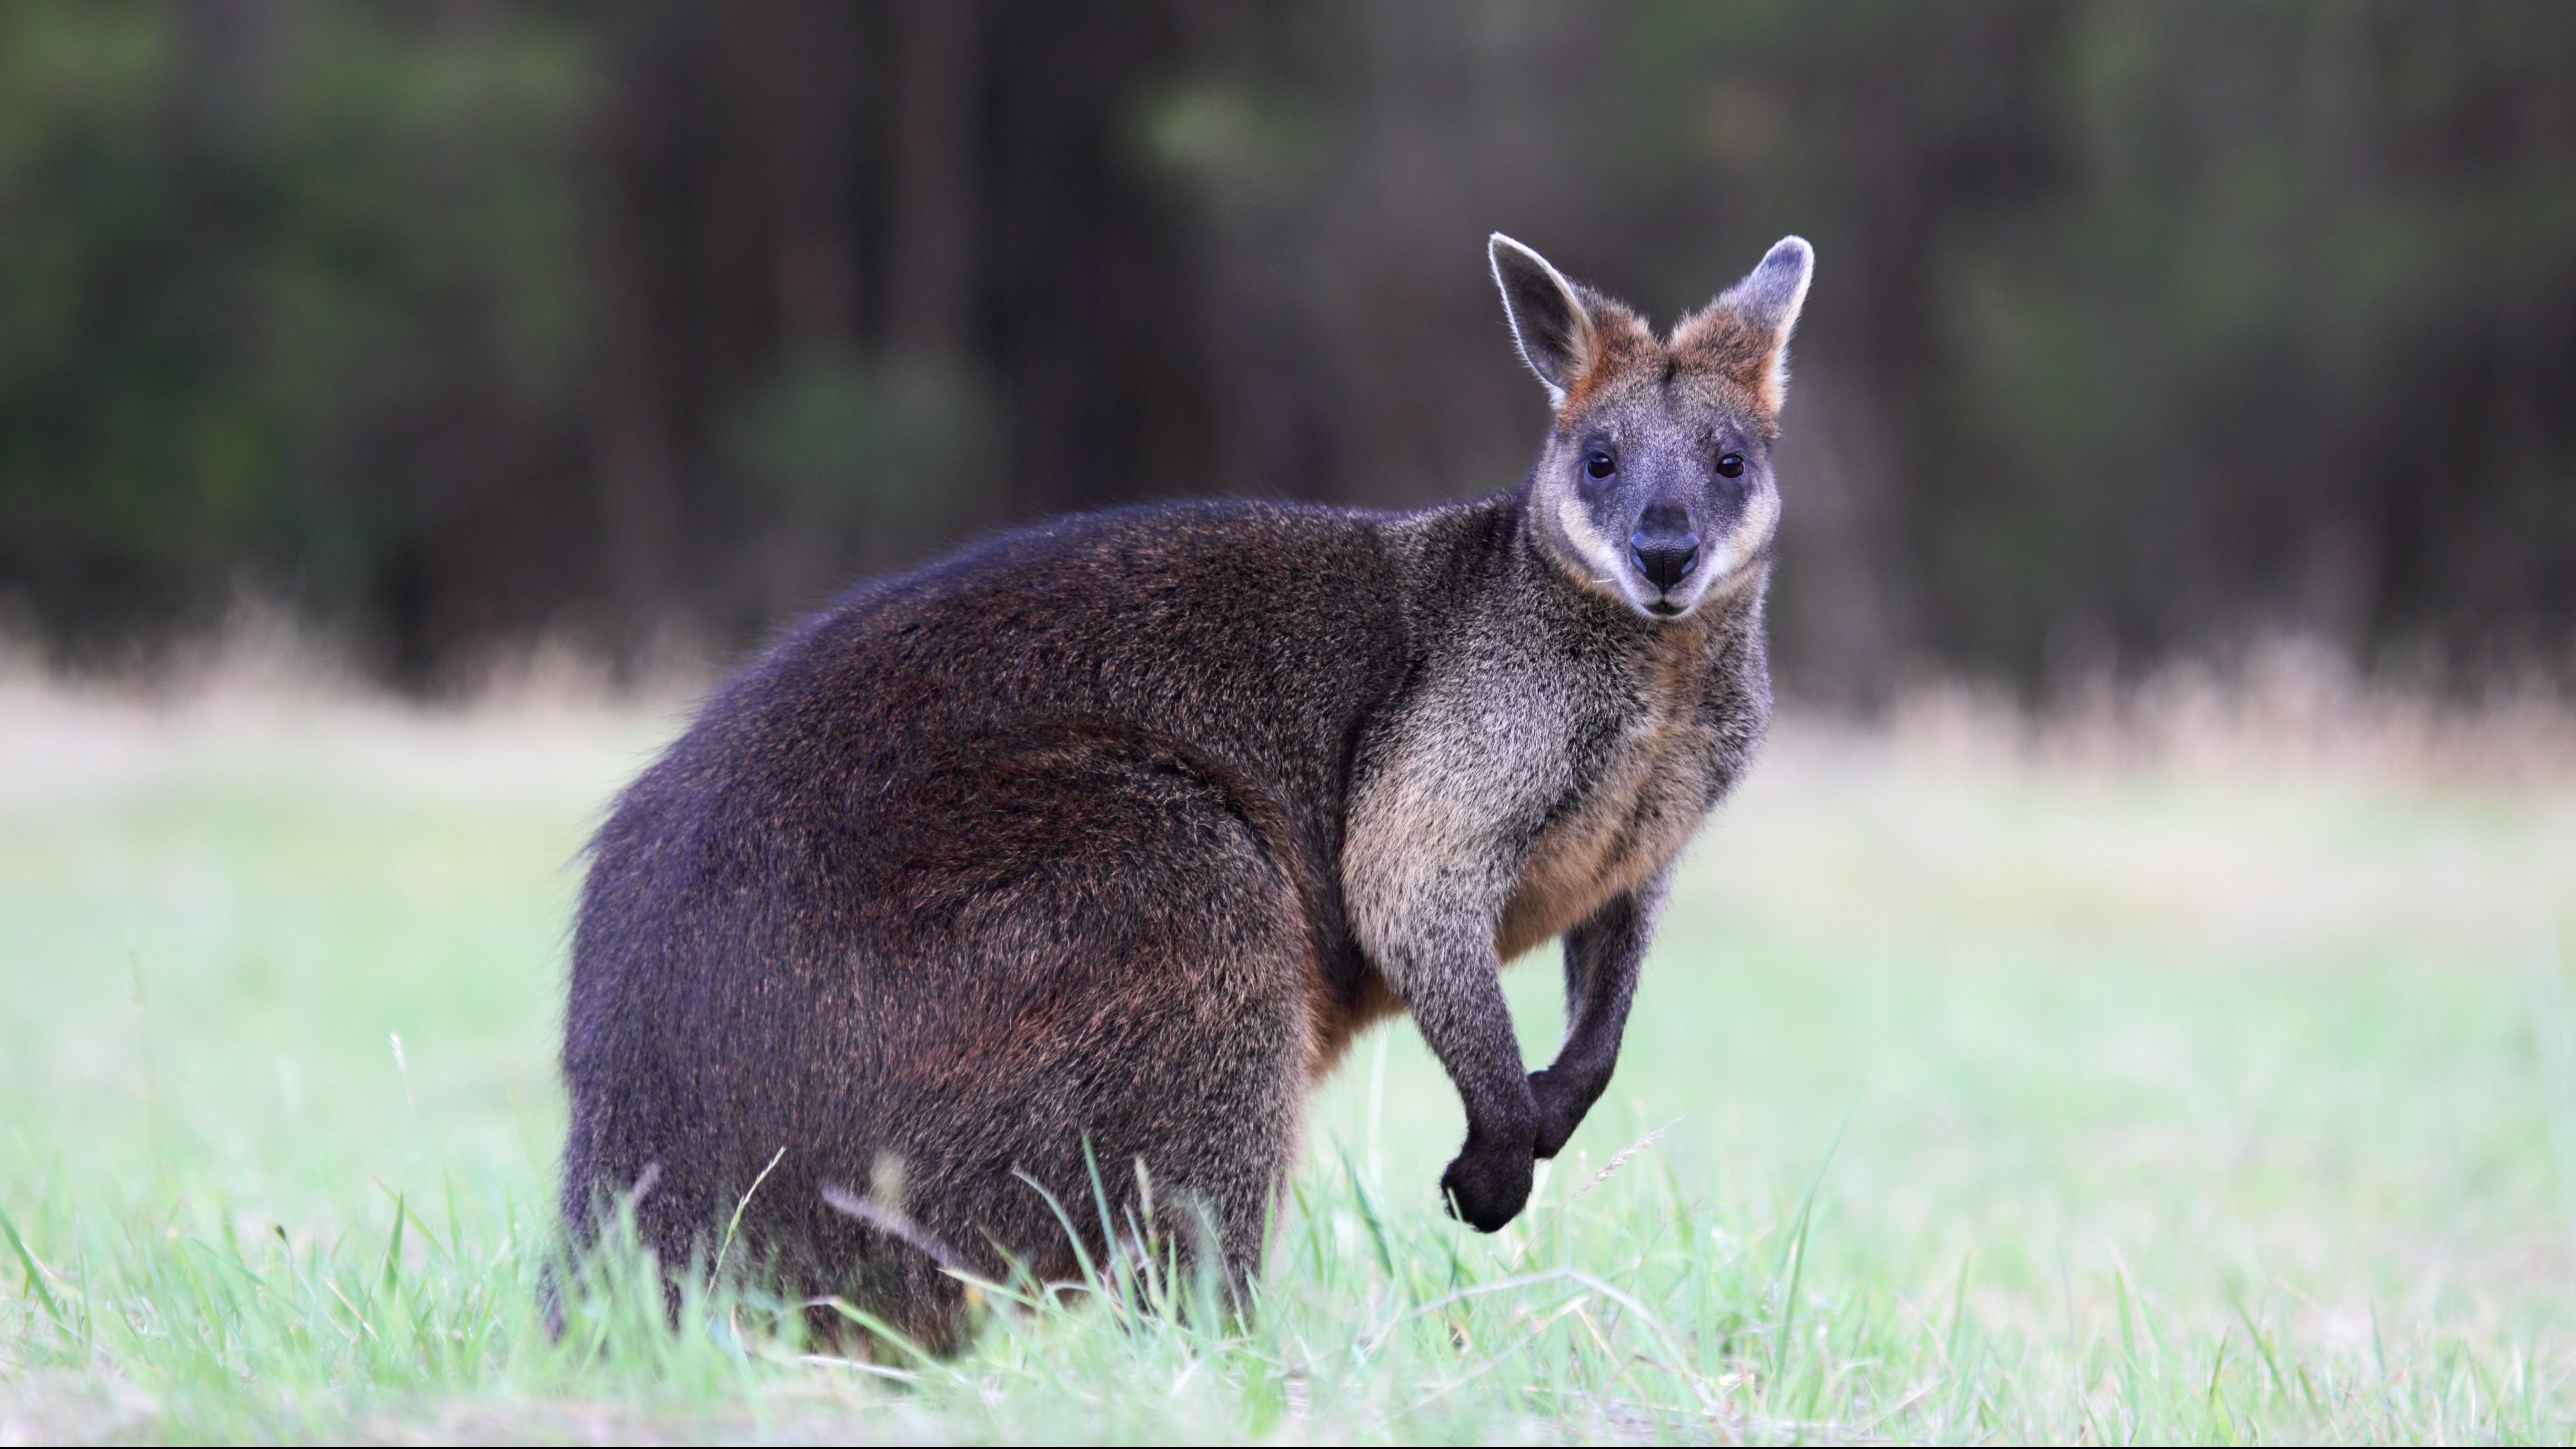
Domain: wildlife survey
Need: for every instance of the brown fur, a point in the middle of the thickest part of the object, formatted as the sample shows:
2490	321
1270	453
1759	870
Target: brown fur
1716	343
1339	1020
1617	348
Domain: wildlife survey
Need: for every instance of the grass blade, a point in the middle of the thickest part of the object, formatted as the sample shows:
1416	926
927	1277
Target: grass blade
734	1223
1797	1252
391	1276
35	1274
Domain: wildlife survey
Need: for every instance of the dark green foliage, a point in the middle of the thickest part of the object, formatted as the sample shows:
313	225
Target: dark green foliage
2136	327
259	267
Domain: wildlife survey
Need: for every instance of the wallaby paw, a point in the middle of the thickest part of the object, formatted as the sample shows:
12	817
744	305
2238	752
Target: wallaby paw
1486	1188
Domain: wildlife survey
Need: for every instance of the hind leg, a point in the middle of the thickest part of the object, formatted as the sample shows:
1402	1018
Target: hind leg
1132	1015
1218	1172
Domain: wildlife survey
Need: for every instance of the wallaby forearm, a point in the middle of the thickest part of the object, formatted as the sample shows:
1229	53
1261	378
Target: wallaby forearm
1457	1003
1602	958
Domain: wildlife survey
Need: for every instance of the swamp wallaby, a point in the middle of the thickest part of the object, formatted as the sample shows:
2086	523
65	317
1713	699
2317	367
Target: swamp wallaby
1074	861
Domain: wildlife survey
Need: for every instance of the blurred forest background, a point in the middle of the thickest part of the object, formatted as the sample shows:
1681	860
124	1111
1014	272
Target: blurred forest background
2139	329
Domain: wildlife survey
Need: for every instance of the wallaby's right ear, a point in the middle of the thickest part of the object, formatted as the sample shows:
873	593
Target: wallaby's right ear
1548	317
1767	302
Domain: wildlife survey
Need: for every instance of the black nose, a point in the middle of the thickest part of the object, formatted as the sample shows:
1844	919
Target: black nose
1665	558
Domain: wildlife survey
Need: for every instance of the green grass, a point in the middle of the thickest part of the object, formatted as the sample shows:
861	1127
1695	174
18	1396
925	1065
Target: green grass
1993	1102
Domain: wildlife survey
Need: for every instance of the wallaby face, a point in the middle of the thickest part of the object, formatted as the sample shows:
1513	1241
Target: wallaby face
1654	485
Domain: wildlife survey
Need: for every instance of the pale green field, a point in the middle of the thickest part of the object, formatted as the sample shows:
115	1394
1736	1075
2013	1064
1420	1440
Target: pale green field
2213	1106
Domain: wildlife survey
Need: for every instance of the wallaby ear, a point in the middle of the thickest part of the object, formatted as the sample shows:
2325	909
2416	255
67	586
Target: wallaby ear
1548	317
1767	303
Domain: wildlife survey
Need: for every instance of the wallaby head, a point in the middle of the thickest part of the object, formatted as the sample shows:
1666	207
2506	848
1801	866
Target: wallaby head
1655	484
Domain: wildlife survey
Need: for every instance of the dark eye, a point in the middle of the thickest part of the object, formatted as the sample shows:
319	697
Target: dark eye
1599	464
1731	466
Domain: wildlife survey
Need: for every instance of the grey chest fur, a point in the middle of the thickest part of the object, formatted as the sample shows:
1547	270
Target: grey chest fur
1630	807
1524	792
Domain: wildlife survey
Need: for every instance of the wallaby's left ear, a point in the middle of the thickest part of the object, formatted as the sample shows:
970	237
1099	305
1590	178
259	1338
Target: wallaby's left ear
1549	320
1764	307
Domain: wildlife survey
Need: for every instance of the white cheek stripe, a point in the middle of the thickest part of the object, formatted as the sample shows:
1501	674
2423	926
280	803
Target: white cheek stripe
1745	540
1587	540
1755	528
